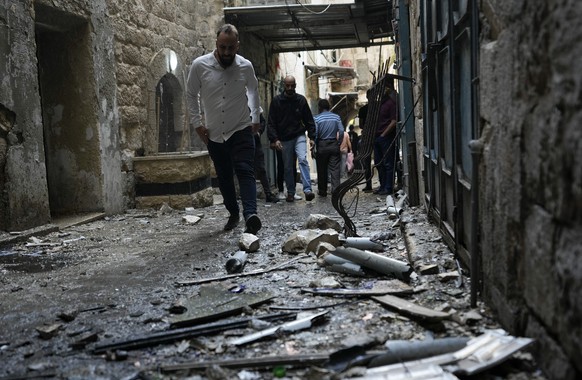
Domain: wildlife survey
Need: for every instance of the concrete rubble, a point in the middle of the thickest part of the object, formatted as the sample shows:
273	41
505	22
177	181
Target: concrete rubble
145	293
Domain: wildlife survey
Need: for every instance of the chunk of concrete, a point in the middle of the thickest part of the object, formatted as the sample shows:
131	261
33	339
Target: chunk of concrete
321	222
249	243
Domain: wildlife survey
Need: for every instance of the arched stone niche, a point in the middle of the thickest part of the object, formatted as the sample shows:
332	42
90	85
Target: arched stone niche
167	129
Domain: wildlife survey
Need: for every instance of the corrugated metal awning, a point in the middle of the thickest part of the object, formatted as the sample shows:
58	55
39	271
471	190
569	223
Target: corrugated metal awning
340	72
304	27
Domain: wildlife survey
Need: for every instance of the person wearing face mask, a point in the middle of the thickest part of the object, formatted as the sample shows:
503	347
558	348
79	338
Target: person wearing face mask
289	118
224	83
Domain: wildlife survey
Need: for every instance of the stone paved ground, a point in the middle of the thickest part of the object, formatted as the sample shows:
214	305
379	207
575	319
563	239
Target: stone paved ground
115	279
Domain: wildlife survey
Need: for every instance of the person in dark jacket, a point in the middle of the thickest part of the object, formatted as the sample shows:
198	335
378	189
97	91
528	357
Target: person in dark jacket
289	118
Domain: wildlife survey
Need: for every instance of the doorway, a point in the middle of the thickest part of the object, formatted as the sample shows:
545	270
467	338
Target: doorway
69	112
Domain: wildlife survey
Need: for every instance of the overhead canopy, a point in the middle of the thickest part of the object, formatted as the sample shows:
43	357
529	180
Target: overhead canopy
304	27
339	72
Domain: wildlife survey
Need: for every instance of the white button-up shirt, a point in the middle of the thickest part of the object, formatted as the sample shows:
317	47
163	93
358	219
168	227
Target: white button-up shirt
229	97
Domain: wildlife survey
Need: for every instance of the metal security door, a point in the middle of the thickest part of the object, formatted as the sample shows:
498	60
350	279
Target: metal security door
448	95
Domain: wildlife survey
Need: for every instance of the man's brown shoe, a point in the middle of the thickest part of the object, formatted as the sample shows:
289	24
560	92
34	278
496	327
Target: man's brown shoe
309	196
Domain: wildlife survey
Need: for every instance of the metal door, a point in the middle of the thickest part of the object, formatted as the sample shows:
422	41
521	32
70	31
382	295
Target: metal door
448	96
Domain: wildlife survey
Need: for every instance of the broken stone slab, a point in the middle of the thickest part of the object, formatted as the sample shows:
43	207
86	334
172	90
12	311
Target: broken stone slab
215	302
329	236
307	240
326	282
49	331
297	325
323	248
410	309
249	243
448	276
321	222
376	262
191	219
378	288
428	269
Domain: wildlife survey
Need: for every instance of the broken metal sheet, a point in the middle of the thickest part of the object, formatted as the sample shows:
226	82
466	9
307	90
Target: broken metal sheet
410	309
270	361
481	353
378	289
300	324
376	262
215	302
416	371
165	337
496	347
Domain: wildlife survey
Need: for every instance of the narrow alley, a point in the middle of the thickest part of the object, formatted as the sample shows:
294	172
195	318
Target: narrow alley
71	293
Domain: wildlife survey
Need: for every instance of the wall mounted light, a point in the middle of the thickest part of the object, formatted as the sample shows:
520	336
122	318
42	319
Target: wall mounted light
172	61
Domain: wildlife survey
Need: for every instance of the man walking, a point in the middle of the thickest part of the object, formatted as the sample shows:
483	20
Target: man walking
289	119
329	130
226	85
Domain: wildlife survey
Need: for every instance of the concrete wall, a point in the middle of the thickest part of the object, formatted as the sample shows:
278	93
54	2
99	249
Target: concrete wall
531	194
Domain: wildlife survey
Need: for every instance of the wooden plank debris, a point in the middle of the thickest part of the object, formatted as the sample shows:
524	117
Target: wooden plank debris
261	362
410	309
164	337
380	288
281	266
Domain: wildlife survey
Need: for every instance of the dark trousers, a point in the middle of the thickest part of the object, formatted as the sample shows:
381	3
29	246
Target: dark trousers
328	162
281	171
367	163
236	156
384	155
260	171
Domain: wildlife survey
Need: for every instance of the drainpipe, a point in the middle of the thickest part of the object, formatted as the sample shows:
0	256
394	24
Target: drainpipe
476	147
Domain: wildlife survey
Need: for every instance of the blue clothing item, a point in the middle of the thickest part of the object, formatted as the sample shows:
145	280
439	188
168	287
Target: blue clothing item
384	156
291	148
328	126
236	156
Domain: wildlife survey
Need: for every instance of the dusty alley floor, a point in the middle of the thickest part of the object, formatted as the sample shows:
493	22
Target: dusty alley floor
116	279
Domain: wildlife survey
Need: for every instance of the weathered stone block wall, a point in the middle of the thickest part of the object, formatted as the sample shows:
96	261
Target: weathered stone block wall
23	196
145	32
531	194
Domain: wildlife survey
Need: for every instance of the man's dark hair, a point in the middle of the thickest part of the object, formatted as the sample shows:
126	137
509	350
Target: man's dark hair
323	105
228	29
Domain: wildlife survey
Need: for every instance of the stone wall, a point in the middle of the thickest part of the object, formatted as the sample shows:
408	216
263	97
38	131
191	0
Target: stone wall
531	193
56	155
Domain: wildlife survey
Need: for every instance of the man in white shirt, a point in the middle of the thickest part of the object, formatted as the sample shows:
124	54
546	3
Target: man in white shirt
226	86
